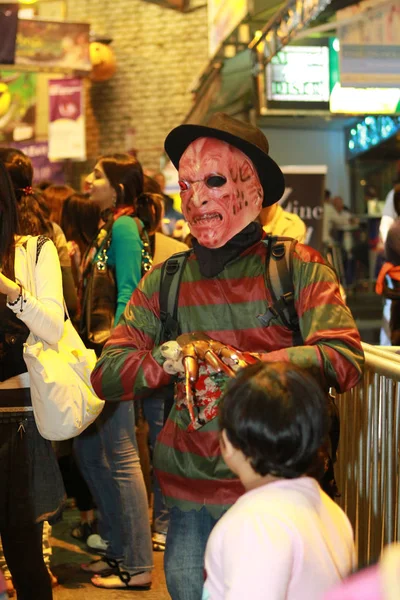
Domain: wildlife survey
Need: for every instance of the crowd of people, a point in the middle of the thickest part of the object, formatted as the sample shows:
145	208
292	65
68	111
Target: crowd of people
103	469
242	456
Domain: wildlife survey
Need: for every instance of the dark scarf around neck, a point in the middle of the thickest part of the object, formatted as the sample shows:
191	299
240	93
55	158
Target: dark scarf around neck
213	260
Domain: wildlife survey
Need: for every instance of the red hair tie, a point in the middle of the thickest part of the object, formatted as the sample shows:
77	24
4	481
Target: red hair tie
28	190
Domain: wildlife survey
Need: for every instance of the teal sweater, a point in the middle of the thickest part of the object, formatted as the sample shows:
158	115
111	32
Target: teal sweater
125	257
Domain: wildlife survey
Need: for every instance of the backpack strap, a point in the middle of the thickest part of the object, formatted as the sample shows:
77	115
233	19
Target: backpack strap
40	242
42	239
171	276
279	281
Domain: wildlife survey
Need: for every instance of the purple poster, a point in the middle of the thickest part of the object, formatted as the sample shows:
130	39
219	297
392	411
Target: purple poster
66	119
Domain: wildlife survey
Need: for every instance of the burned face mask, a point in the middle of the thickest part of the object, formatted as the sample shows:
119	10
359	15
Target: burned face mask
220	191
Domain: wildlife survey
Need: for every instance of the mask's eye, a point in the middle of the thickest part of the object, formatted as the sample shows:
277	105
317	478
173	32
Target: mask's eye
183	185
215	181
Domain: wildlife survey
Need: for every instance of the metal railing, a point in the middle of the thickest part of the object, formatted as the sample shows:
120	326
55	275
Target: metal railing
368	466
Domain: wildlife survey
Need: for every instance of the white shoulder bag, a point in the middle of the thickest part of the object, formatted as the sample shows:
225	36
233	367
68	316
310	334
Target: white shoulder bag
63	399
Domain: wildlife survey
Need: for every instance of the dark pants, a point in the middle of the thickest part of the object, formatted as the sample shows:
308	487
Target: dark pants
31	491
22	547
75	485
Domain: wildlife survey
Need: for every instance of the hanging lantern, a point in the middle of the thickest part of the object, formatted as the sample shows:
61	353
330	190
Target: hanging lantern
103	61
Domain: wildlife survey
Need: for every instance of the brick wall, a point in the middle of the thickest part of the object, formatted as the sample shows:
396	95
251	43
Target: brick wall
159	53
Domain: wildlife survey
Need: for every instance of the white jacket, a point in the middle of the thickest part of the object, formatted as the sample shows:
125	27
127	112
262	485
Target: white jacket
43	309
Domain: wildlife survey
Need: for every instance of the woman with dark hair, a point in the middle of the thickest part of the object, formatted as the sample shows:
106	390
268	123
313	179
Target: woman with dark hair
108	458
116	184
284	538
55	196
80	223
80	220
31	218
35	219
31	488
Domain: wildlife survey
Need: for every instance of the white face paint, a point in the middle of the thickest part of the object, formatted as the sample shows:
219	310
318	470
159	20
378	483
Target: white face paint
220	191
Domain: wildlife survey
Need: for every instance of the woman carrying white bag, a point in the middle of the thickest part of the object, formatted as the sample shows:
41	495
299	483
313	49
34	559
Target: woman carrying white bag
31	488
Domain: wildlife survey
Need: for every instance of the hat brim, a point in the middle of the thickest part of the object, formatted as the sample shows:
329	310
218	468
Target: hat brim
271	177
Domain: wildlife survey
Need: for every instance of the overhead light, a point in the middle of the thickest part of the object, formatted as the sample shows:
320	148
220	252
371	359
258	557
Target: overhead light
244	33
229	51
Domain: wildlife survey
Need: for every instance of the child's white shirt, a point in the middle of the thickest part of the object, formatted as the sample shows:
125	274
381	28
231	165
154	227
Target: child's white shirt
286	540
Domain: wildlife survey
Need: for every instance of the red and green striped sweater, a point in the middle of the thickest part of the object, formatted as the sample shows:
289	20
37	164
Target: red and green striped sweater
191	471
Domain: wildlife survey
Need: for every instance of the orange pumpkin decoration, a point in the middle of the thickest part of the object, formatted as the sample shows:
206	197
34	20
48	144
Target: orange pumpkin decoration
103	61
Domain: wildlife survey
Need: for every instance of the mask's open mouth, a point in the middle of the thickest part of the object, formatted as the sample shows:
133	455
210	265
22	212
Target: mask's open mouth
207	218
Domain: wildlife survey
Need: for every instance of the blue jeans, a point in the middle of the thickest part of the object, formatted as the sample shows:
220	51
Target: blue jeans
153	410
187	537
108	458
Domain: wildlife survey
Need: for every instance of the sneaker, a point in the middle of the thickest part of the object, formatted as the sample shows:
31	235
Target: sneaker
96	542
159	540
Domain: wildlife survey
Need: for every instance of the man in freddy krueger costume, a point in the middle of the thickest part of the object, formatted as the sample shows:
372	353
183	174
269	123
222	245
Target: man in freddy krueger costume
226	176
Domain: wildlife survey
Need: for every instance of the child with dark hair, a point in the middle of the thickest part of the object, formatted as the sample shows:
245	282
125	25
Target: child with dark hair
34	216
284	538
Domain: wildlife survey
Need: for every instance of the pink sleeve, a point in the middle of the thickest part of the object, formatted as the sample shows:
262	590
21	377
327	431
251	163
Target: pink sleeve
2	586
365	585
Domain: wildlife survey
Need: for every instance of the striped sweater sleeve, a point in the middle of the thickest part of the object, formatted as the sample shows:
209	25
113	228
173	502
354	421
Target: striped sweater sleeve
131	361
332	346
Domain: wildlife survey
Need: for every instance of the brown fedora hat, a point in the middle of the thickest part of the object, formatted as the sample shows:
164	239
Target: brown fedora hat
244	136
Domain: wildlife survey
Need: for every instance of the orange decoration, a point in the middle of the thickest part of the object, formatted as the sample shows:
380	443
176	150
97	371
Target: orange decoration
103	61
